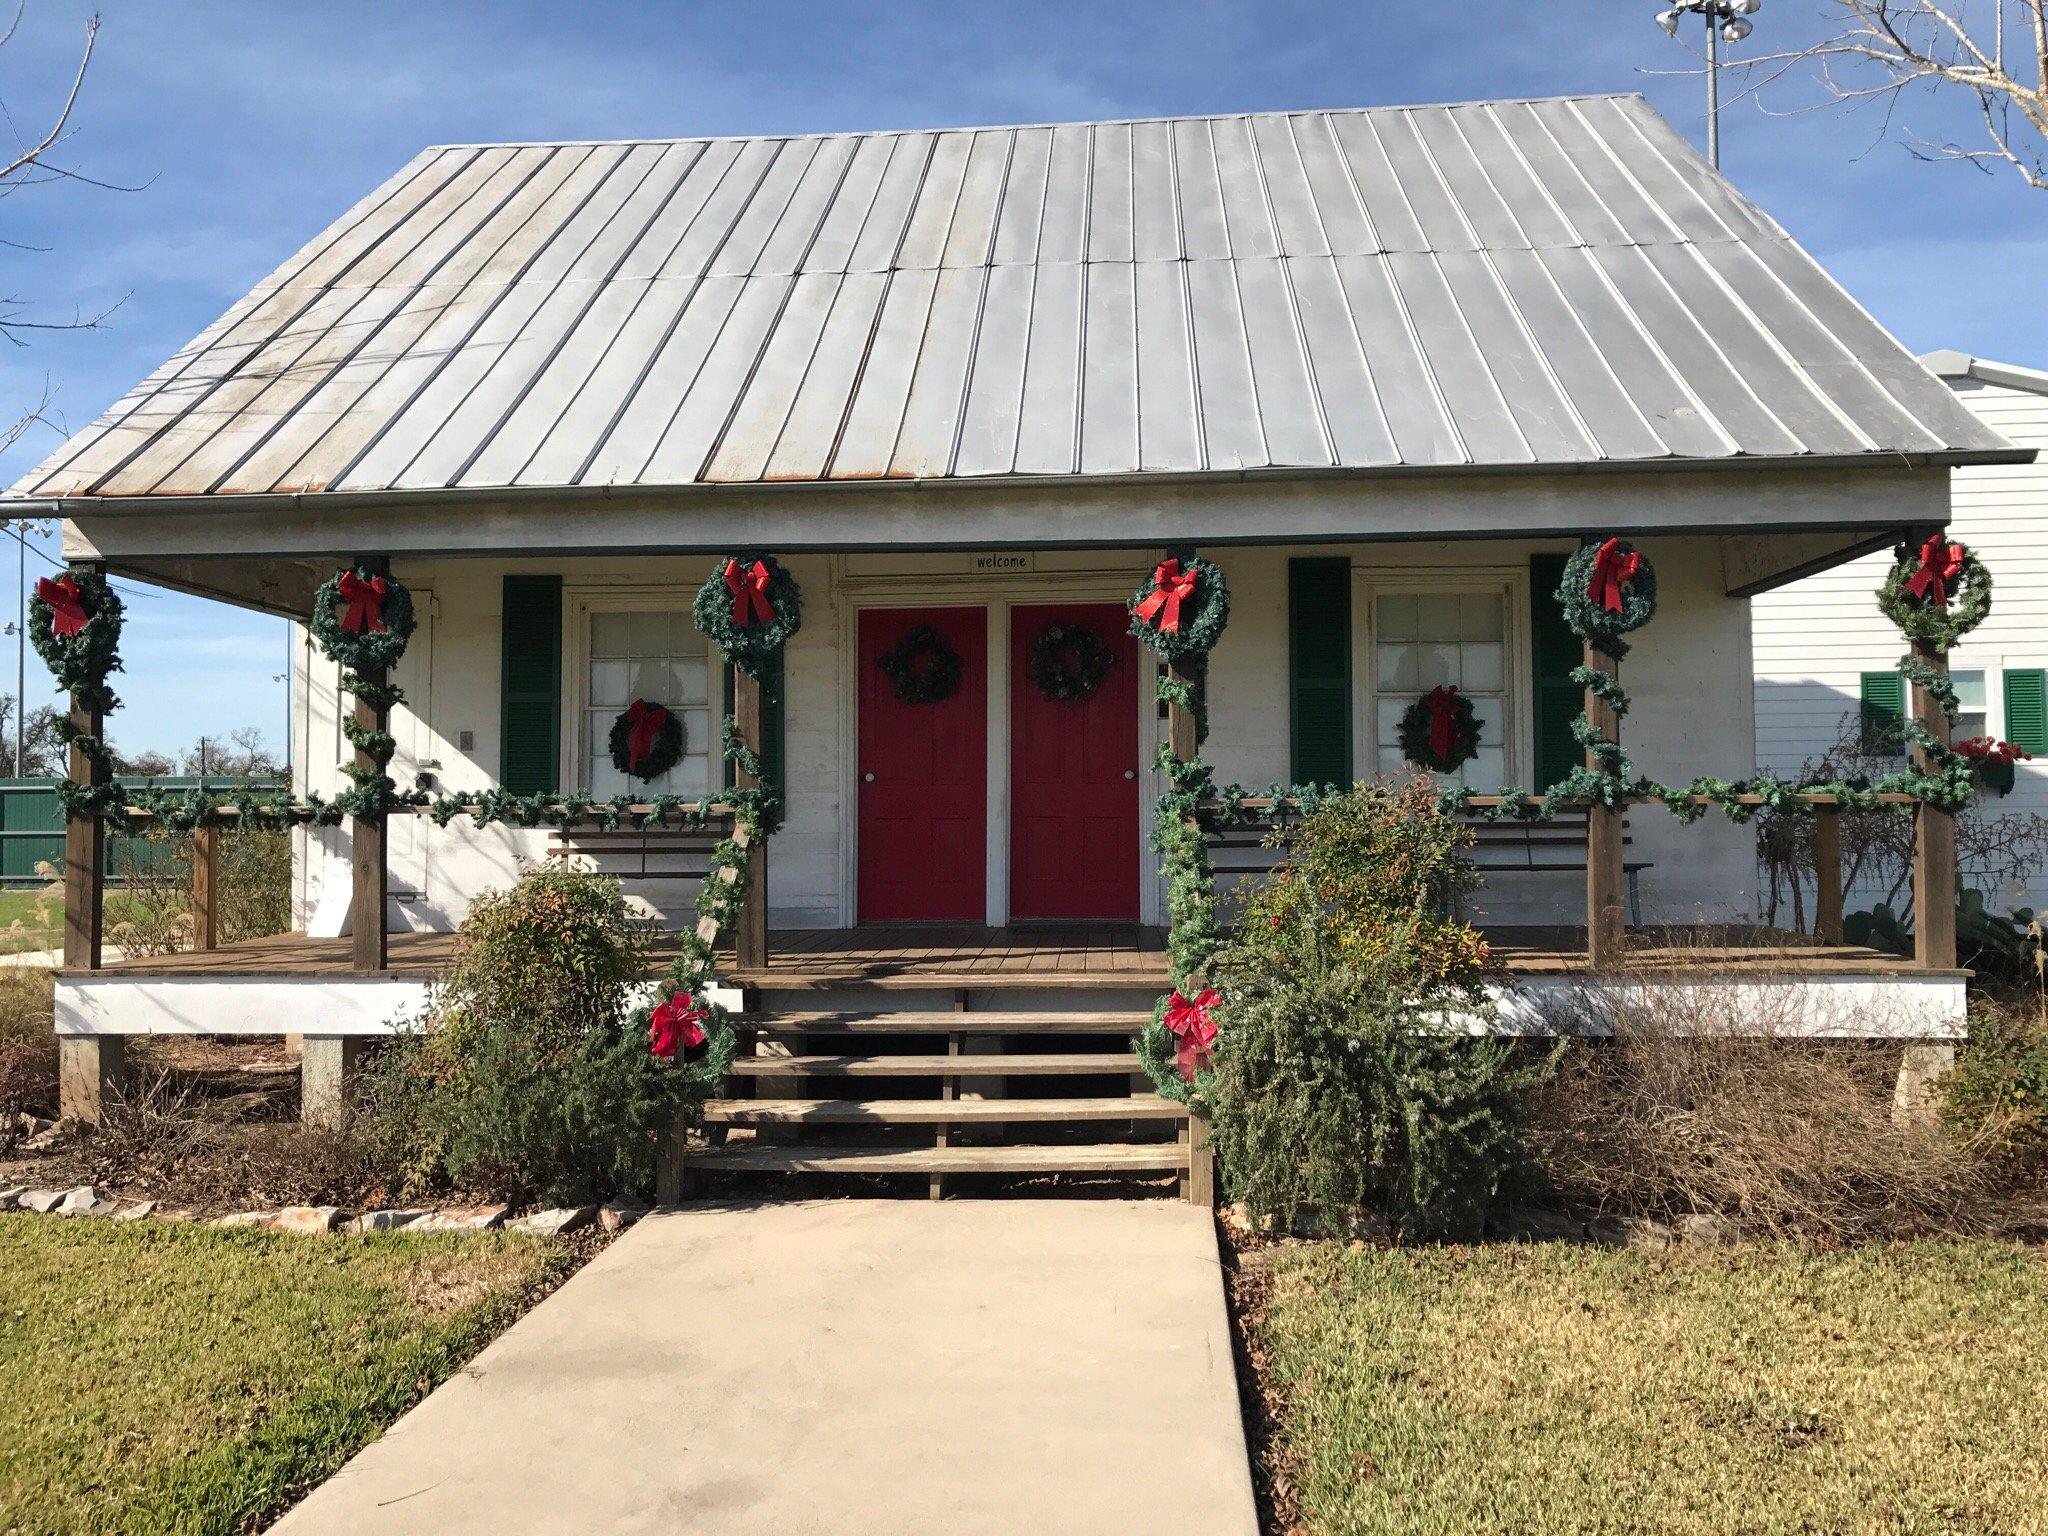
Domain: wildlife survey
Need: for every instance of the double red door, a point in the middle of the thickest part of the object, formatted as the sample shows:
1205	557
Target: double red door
923	777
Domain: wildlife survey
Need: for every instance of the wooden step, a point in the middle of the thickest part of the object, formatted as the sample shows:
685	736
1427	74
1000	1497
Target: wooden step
1136	1106
1089	1022
1150	1157
1104	1063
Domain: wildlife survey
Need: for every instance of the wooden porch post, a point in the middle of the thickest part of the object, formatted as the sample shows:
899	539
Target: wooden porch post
1604	877
751	942
205	887
1934	844
85	852
1827	874
1180	720
370	948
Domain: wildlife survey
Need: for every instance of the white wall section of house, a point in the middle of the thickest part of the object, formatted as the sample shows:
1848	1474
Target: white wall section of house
1687	673
1816	637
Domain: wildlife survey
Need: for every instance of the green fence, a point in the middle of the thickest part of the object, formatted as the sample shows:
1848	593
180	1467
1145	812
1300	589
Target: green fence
32	830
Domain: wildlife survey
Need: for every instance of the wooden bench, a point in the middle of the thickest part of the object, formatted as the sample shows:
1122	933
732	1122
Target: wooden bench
1518	847
645	853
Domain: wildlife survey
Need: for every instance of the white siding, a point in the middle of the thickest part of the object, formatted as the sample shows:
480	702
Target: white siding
1814	638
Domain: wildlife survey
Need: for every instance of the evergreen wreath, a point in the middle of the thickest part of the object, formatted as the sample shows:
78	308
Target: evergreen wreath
75	623
362	618
1608	589
749	607
1068	661
659	732
1936	594
1181	609
922	668
1440	731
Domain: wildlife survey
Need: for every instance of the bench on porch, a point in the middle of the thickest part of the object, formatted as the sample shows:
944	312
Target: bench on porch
1558	846
642	853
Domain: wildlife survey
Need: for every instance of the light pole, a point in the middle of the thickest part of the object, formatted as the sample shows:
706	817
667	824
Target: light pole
1727	20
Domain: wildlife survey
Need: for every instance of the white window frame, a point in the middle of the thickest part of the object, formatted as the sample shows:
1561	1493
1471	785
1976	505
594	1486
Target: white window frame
583	604
1369	584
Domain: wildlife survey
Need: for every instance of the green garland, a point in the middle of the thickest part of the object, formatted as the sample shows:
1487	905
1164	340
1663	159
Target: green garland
1414	734
1068	661
733	621
1202	610
922	668
81	665
1936	622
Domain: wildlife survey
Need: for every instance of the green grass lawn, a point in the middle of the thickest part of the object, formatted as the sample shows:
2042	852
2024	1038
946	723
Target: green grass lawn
1565	1389
160	1377
34	919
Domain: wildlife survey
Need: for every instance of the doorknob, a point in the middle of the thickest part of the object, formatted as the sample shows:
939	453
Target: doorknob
1130	773
867	778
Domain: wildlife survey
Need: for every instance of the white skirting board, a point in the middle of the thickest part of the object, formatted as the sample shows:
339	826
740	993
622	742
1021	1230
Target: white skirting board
1875	1006
252	1005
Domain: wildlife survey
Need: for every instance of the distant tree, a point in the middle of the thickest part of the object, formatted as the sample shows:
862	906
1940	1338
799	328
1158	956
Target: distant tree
240	755
144	764
42	755
1993	54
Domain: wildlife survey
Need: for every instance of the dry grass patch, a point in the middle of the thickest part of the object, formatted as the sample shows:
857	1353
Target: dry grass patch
1581	1391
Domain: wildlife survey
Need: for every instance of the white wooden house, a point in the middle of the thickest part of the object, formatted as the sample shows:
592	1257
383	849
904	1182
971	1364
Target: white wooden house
1387	368
1827	662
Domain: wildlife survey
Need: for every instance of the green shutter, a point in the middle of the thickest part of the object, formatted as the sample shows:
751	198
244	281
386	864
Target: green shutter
2026	709
771	722
1553	652
530	719
1884	710
1319	669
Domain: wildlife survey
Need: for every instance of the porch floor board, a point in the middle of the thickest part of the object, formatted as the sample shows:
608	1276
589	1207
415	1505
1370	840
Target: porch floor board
1085	954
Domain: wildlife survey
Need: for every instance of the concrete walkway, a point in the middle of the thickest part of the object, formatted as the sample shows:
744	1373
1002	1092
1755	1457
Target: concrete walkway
1056	1368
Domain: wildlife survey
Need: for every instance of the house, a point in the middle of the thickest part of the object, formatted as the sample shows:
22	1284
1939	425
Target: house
1826	661
1387	369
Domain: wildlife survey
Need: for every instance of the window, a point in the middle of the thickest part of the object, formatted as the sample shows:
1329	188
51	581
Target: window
658	655
1884	700
1424	639
1973	716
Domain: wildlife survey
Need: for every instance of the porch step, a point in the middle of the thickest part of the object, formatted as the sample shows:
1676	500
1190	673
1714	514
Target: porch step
1116	1157
1080	1063
1086	1022
1136	1106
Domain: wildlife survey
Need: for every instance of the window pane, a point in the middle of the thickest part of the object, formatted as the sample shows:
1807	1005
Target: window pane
1391	763
1436	617
1399	668
610	634
1436	664
1397	618
649	680
1480	616
1481	662
1389	724
609	683
1971	722
687	683
1487	770
1969	688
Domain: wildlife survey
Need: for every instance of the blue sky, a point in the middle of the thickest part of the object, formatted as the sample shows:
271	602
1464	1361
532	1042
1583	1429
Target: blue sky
249	127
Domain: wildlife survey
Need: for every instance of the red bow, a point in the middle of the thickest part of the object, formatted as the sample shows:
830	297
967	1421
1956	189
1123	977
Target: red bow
1171	586
1612	570
1940	563
644	722
67	613
749	589
1443	720
1188	1020
365	601
678	1022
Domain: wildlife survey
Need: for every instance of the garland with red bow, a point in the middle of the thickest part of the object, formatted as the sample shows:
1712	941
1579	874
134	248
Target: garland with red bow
1182	608
749	607
1440	730
1608	589
646	740
1937	591
363	619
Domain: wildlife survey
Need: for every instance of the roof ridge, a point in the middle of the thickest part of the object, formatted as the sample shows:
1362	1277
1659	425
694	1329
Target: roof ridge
1082	122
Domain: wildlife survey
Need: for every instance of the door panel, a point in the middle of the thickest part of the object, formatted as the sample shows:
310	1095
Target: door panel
923	778
1074	850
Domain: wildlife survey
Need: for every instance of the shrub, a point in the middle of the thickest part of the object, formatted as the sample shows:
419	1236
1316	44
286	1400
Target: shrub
531	1084
28	1045
1340	1079
1997	1096
154	901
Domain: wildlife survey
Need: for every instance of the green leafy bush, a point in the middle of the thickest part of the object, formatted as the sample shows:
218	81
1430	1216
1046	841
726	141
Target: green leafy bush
1997	1095
1343	1076
531	1084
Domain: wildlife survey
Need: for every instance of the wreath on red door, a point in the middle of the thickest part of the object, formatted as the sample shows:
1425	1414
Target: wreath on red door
922	668
1068	661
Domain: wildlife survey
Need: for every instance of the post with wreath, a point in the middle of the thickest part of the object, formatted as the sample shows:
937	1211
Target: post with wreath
1608	589
749	607
85	835
370	948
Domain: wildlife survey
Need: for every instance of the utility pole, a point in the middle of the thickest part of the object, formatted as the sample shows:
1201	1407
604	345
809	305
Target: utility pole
1727	21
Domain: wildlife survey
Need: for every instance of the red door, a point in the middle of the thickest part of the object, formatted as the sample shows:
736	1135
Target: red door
923	778
1074	849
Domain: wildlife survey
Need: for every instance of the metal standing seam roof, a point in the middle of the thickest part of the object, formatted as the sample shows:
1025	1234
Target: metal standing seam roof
1497	284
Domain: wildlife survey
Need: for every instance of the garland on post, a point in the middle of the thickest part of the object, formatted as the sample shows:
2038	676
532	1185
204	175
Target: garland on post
1068	661
921	667
1440	730
749	607
646	740
75	622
